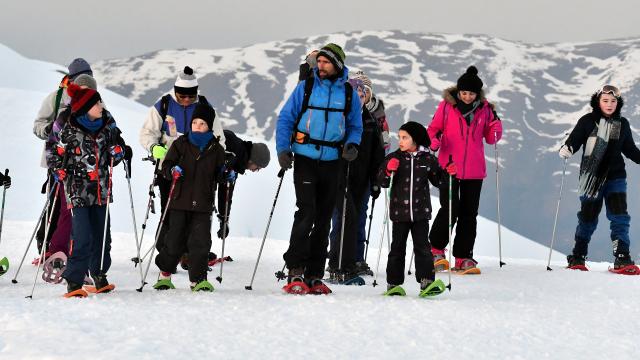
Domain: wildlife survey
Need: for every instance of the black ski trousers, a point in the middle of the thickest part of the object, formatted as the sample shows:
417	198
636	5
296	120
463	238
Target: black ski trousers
187	230
316	184
423	258
466	201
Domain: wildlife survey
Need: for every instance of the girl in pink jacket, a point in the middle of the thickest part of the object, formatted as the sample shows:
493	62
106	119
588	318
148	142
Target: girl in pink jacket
462	121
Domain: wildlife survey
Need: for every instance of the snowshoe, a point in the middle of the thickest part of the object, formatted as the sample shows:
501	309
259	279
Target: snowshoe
626	270
53	268
75	290
431	288
297	287
36	261
440	264
317	287
4	266
394	290
164	284
466	266
577	262
100	285
212	262
203	285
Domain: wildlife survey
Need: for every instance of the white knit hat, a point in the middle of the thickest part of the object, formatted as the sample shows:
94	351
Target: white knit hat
186	83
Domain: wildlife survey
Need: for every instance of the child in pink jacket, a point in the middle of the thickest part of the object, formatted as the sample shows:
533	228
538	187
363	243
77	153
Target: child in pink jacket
462	121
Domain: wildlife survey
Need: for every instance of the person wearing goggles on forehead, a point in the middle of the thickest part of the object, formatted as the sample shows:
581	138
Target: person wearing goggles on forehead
169	118
604	135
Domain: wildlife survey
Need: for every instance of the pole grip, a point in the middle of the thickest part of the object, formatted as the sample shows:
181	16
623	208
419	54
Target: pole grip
281	172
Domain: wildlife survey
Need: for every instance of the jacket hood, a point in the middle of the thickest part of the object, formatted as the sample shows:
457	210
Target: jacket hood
449	95
595	106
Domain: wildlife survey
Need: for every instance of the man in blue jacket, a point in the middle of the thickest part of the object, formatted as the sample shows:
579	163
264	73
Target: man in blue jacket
315	127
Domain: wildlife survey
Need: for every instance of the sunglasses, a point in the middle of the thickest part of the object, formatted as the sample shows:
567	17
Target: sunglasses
180	96
609	89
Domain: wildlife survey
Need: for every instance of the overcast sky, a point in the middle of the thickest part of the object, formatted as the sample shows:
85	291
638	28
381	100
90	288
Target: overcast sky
61	30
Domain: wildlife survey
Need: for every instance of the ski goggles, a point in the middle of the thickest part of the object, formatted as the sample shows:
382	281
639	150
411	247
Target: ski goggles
609	89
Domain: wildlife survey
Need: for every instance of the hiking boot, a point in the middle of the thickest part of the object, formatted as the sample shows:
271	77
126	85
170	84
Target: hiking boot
296	274
465	264
440	262
576	260
75	290
622	260
363	268
100	281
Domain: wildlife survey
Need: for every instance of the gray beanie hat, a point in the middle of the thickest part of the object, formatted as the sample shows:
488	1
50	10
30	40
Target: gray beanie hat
260	155
86	80
79	66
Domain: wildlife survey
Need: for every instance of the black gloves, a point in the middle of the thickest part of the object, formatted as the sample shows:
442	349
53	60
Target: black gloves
285	159
226	232
375	191
350	152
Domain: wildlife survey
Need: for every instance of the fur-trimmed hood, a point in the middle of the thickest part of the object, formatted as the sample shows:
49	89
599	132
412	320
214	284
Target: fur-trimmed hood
595	105
449	95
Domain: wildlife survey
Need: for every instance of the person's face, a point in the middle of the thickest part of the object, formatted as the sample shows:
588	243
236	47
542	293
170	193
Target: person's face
467	97
325	67
608	104
251	166
185	100
361	95
199	125
367	96
405	141
96	111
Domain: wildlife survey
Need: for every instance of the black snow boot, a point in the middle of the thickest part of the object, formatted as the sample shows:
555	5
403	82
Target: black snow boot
622	260
576	260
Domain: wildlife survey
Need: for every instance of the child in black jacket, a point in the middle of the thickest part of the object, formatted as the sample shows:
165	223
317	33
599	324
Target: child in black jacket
411	167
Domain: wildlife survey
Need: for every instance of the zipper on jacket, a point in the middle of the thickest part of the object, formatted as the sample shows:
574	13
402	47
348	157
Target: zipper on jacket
184	121
466	149
326	123
95	147
411	191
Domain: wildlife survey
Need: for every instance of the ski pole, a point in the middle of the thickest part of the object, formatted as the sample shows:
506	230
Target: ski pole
4	262
133	212
164	214
264	237
33	235
344	217
450	221
410	263
224	227
366	249
150	207
555	221
106	216
46	232
387	194
498	200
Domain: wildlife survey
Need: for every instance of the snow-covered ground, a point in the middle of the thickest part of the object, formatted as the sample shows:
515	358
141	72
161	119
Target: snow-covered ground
520	311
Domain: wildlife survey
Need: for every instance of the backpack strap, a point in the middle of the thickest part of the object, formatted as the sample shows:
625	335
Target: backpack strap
348	97
164	106
308	88
57	103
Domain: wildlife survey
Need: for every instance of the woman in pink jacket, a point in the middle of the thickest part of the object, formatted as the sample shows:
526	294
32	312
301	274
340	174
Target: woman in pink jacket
462	123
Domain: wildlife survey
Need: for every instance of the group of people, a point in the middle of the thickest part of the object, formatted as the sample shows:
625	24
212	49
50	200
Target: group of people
333	132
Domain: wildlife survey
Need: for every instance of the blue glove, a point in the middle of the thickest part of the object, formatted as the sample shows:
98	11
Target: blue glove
117	152
231	175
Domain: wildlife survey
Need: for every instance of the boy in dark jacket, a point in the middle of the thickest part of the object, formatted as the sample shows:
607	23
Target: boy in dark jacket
412	167
194	161
81	156
604	136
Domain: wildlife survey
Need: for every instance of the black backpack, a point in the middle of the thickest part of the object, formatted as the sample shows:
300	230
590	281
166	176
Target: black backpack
303	138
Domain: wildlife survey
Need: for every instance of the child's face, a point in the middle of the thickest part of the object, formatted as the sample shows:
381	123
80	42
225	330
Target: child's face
96	111
405	141
199	125
467	96
608	104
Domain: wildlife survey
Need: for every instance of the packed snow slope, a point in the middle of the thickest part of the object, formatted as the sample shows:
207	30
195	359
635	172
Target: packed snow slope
519	311
540	91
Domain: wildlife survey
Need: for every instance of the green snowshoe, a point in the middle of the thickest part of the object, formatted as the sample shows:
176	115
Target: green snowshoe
4	266
395	291
432	289
164	284
203	285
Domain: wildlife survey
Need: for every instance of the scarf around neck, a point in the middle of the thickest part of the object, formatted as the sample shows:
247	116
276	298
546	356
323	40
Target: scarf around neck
200	139
91	125
593	171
